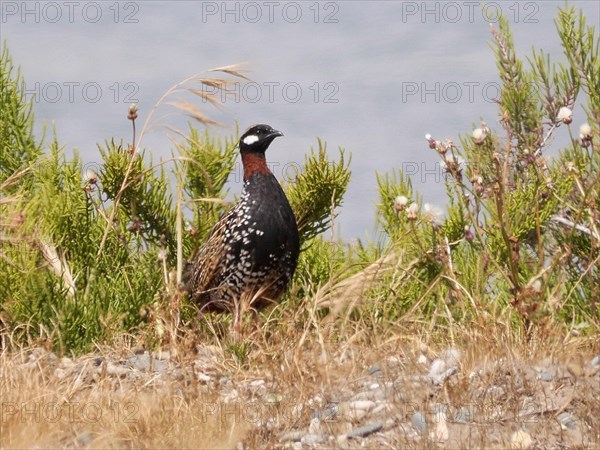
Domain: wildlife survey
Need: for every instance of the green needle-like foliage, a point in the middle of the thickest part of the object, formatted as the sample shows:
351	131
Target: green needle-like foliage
317	192
86	255
207	163
19	148
520	234
145	203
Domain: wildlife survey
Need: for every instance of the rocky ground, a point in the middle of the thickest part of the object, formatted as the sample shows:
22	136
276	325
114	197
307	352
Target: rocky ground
353	399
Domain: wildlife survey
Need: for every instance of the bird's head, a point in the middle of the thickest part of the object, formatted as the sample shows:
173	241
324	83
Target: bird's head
258	138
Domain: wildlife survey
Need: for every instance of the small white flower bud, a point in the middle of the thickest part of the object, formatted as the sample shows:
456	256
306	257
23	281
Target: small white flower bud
90	176
400	203
565	115
485	127
479	135
468	233
585	131
430	141
412	211
162	254
433	214
133	110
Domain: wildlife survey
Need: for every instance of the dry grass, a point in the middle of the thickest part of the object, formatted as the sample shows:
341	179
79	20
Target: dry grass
304	363
43	408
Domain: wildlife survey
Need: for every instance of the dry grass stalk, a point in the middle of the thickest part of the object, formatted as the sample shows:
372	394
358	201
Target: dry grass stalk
58	264
213	83
346	294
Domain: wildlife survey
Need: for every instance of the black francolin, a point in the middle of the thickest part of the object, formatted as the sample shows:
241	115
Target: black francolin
251	254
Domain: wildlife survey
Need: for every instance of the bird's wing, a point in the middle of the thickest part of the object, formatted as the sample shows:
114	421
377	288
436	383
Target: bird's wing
210	257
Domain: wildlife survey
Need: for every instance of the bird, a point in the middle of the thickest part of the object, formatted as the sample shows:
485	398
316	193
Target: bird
251	254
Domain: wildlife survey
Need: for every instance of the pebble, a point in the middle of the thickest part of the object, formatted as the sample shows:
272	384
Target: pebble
452	357
146	363
567	421
330	412
438	366
439	379
375	369
37	353
575	369
66	362
372	394
441	432
546	376
595	362
310	439
116	370
419	423
365	430
356	410
521	440
84	439
162	355
202	377
475	374
495	392
139	362
463	415
257	387
315	426
342	440
61	373
379	408
271	398
292	436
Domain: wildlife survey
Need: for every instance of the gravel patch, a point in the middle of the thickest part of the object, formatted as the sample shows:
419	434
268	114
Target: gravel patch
395	402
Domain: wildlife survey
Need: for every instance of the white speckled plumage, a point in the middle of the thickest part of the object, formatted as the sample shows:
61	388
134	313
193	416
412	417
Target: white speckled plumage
253	250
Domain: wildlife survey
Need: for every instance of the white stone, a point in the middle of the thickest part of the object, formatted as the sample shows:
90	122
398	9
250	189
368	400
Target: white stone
521	440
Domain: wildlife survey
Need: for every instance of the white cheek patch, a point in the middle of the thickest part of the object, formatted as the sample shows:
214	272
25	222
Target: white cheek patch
249	140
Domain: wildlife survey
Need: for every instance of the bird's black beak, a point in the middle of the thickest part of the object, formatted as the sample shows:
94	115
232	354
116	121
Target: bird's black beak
273	134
